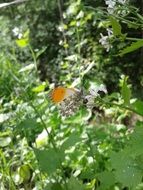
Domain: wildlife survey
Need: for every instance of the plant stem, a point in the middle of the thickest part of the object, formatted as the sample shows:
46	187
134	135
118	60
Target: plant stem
120	106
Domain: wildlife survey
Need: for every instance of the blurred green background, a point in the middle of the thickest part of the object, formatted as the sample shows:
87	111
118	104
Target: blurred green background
85	43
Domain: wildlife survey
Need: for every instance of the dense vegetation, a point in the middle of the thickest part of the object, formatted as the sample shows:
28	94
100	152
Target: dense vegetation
95	47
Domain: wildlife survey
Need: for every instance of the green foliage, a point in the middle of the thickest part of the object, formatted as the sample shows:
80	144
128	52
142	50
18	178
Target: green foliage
49	160
116	26
126	91
57	43
138	106
107	180
73	183
134	46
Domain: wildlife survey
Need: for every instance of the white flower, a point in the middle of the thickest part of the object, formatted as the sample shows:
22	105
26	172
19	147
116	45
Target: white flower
104	40
111	4
122	1
15	31
94	92
110	32
20	35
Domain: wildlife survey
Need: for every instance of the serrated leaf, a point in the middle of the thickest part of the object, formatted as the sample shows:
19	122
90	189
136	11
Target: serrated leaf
107	179
134	46
49	160
29	124
138	107
126	171
72	139
126	92
120	160
135	146
129	177
116	26
74	184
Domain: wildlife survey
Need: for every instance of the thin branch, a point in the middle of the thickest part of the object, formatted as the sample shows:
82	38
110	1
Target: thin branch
11	3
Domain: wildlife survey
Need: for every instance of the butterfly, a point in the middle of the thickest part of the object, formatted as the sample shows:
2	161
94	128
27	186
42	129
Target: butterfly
67	99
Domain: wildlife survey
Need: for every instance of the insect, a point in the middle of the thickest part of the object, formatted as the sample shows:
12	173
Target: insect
67	99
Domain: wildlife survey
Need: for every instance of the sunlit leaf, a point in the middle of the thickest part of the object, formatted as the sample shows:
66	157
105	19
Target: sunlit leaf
72	139
39	88
27	68
25	172
134	46
5	141
24	41
116	26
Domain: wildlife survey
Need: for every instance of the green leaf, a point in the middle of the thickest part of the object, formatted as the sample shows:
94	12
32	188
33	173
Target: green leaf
49	160
72	140
132	47
120	160
116	26
22	42
25	172
135	147
74	184
107	179
39	88
5	141
40	52
29	124
129	177
26	34
27	68
29	128
126	171
126	92
138	107
53	186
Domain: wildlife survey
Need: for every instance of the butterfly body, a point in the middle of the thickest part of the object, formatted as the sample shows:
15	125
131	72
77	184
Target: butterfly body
68	99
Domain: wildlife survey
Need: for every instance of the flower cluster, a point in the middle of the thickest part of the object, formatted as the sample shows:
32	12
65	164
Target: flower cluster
17	32
105	40
94	92
112	4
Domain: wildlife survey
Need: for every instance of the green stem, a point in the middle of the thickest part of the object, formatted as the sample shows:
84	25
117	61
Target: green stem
51	140
34	58
120	106
44	125
133	39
